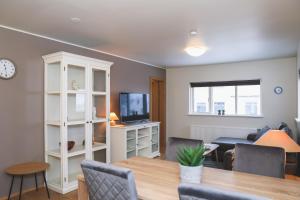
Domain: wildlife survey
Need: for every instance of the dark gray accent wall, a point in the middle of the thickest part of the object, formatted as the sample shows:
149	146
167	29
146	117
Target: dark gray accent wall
21	98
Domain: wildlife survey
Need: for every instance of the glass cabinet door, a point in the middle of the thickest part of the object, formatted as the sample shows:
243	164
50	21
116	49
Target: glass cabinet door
99	96
76	93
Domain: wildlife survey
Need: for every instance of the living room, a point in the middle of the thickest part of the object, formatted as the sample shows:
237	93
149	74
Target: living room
190	100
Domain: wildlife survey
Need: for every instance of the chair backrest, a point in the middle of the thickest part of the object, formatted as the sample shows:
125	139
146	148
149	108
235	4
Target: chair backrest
175	142
108	182
261	160
201	192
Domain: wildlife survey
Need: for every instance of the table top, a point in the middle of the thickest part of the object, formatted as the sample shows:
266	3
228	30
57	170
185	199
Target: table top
27	168
159	179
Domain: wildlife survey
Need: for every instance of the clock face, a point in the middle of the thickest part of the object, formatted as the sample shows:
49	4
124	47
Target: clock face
278	90
7	69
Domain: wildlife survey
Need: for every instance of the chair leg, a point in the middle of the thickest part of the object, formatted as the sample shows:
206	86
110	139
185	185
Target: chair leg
20	195
46	185
36	185
11	185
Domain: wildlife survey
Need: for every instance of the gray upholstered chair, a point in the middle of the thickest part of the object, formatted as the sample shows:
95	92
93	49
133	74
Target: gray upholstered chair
106	182
261	160
175	142
201	192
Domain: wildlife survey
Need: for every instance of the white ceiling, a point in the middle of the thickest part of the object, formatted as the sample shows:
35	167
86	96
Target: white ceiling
156	31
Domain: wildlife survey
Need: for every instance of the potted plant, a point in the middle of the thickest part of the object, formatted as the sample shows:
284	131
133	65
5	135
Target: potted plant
191	163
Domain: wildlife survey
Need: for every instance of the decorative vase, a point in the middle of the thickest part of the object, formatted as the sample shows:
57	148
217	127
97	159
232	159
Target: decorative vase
190	174
75	85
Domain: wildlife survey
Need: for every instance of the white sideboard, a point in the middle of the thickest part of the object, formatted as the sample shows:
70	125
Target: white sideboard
134	140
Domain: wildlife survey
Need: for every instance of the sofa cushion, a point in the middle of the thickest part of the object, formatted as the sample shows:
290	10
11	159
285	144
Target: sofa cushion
261	132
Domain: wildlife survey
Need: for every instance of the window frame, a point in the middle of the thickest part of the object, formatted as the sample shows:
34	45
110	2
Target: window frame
210	100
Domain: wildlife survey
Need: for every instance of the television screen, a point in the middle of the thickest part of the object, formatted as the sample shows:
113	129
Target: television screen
134	107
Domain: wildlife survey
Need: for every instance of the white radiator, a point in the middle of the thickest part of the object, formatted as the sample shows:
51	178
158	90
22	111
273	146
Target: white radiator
210	133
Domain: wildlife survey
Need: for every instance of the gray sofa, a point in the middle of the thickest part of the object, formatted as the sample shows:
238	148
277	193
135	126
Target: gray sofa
227	145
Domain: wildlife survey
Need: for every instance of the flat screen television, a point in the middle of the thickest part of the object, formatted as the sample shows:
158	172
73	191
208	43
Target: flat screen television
134	107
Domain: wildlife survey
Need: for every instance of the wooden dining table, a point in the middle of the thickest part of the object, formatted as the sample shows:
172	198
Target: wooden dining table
159	179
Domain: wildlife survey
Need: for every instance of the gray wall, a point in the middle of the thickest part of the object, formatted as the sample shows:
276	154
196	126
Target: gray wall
275	108
21	104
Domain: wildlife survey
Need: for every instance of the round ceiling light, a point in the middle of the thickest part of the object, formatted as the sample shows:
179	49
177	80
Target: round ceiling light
195	51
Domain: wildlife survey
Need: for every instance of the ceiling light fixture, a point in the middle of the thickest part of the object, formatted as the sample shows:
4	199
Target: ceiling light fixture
195	51
195	48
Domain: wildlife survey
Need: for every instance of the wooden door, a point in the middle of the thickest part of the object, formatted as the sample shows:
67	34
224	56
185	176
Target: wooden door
158	108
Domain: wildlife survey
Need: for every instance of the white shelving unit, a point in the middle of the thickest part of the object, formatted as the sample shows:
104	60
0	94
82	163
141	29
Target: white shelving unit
135	140
77	109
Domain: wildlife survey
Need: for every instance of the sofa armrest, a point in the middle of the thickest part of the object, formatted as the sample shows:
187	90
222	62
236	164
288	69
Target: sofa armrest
228	159
251	136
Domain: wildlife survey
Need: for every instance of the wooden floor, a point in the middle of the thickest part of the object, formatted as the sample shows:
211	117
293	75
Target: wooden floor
41	194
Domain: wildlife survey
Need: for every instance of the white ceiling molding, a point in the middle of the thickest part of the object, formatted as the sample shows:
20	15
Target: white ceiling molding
75	45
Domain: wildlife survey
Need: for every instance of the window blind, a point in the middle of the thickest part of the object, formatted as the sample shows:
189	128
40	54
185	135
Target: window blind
225	83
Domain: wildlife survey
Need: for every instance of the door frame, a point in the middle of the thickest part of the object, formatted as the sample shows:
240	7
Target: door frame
162	147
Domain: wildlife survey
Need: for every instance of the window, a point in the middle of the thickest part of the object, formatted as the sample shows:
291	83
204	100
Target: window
226	98
201	97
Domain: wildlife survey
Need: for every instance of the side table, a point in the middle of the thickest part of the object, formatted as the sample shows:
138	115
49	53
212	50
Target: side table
25	169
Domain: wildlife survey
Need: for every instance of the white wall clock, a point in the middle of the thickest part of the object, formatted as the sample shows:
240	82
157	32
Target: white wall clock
7	68
278	90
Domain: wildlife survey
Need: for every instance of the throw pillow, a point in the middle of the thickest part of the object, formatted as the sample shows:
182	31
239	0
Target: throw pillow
261	132
282	125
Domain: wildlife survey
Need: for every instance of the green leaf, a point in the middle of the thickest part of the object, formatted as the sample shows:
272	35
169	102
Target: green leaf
191	156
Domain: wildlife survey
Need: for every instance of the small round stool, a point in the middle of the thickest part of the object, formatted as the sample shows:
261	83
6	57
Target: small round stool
27	169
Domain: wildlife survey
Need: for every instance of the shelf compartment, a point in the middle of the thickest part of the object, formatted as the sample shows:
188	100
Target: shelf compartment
155	138
131	134
99	107
100	155
144	152
131	154
76	107
155	130
74	168
143	132
76	77
53	107
53	138
99	80
143	141
77	134
53	76
54	171
140	147
154	148
131	145
77	150
144	136
99	133
99	146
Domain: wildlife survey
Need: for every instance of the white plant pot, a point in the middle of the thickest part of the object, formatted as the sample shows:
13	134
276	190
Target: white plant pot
191	174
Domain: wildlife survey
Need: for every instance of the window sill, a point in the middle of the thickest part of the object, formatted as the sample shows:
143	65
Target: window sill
214	115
